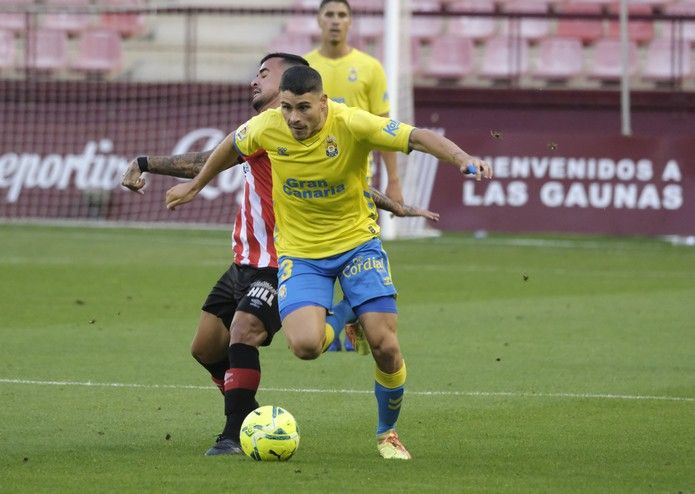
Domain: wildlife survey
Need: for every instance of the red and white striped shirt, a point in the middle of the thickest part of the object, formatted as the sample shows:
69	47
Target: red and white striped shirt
255	220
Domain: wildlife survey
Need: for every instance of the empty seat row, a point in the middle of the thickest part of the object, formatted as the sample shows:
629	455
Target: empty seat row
98	52
462	5
453	58
556	59
479	27
71	16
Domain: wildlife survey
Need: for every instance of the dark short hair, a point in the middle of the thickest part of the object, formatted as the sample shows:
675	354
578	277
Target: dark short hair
288	59
301	80
344	2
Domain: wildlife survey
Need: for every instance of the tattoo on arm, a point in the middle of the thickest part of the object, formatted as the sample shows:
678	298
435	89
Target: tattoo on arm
180	165
406	210
383	202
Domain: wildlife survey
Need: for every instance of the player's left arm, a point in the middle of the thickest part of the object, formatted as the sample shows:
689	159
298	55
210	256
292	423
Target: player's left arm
444	149
400	210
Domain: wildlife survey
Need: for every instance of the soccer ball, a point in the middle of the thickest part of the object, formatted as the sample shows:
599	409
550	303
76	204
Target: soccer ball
269	434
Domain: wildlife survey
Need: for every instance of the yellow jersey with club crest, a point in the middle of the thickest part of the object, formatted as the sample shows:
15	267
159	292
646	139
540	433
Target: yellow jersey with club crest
321	197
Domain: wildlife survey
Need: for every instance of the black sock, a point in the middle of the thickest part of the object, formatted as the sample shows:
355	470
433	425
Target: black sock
240	385
217	371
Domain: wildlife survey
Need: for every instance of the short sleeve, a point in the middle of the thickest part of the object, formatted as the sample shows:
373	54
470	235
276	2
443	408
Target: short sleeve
380	132
245	137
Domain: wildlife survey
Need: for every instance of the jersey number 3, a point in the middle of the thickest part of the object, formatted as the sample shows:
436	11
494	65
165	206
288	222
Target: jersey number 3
285	270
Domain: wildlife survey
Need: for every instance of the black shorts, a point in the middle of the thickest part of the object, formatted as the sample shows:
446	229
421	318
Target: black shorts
252	290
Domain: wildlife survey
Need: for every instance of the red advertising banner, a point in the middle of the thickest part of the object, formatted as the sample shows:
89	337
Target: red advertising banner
572	183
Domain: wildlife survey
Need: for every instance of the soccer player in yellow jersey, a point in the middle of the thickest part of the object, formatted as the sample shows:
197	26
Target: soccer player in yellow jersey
355	78
326	222
351	76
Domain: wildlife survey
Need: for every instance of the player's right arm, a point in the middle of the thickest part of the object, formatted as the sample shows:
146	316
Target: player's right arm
186	165
224	154
442	148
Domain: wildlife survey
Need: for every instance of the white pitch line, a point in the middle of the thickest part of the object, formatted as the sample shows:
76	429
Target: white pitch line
510	394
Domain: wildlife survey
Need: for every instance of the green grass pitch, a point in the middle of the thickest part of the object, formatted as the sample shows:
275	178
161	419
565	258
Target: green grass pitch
535	364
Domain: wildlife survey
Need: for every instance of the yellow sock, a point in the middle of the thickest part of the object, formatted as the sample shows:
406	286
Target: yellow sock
330	336
391	381
389	390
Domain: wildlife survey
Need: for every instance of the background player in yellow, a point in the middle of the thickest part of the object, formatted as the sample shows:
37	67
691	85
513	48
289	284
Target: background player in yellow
326	222
355	78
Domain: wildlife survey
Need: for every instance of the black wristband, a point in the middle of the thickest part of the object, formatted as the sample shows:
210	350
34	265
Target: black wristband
143	164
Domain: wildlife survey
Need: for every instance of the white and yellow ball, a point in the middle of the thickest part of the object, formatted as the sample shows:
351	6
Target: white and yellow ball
269	433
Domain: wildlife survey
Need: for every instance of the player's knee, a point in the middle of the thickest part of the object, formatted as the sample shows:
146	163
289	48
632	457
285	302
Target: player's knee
305	333
389	359
202	353
211	339
305	349
386	347
247	330
307	353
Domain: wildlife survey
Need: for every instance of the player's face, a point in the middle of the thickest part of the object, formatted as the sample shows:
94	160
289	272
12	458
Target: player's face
304	113
334	21
265	86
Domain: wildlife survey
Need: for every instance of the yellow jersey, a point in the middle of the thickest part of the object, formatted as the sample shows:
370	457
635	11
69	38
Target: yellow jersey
357	79
321	198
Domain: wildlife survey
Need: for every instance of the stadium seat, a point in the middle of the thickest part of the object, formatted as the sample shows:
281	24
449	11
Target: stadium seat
307	4
685	29
297	44
305	25
451	58
605	64
15	21
367	28
70	21
651	3
426	28
586	30
128	25
599	3
637	30
427	5
99	52
558	59
7	50
47	50
377	51
531	28
364	5
475	27
667	62
504	57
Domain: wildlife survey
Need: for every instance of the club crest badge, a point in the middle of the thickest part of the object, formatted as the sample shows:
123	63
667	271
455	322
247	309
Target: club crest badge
352	75
331	147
